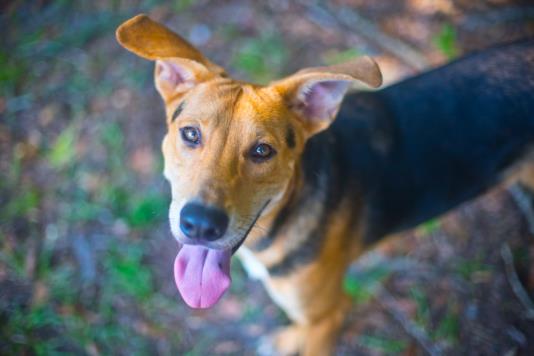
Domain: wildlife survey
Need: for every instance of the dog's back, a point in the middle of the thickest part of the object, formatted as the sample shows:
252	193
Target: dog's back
420	147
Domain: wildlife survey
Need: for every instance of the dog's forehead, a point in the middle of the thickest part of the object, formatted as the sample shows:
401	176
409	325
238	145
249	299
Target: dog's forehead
212	100
260	103
228	100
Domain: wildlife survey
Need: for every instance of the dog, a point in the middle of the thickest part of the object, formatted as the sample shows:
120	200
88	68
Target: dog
267	173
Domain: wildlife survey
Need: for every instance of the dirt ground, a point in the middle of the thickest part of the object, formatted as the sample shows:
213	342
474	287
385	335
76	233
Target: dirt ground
85	249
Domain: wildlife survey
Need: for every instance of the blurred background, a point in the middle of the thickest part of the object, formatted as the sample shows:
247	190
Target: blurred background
85	250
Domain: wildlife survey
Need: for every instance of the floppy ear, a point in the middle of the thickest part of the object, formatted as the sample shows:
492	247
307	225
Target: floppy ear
315	94
179	65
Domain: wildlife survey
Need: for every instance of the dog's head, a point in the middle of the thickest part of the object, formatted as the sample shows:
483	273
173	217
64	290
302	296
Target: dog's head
231	148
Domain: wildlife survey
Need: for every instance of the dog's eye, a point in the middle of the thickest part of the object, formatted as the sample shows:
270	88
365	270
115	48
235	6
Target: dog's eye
191	135
261	152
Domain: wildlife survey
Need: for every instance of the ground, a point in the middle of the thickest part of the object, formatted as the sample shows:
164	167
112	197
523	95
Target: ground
85	250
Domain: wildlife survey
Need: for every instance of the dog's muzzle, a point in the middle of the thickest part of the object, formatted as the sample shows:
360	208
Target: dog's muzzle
202	274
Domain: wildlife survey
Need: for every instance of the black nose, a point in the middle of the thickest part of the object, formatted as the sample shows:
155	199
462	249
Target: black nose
201	222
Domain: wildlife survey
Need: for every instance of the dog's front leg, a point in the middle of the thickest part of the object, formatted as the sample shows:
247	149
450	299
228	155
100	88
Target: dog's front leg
313	299
321	335
317	337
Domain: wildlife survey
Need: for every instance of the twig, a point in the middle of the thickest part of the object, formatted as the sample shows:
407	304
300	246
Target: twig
513	279
389	303
482	20
84	256
357	23
524	202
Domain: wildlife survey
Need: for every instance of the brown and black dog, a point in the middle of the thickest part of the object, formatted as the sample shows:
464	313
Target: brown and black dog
260	170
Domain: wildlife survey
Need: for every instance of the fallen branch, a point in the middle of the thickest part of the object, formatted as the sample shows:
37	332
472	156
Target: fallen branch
491	18
352	20
516	285
524	201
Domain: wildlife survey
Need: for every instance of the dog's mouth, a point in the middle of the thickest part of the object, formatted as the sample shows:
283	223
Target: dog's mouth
202	274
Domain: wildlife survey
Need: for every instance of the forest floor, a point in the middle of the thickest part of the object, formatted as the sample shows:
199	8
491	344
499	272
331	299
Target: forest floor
85	250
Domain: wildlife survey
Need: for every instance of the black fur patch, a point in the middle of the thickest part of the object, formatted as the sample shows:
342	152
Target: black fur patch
178	111
302	255
290	137
448	133
324	182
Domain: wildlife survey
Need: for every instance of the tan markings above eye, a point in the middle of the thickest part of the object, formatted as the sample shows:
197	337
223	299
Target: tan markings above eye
178	111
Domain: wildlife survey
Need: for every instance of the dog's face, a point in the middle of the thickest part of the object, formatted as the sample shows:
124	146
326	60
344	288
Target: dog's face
231	148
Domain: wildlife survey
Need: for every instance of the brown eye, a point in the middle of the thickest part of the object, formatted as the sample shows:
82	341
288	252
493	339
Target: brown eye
261	152
190	135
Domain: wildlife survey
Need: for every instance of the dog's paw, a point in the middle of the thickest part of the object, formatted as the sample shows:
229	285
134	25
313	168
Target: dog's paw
283	342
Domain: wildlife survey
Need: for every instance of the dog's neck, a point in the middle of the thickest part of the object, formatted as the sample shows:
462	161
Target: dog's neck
263	226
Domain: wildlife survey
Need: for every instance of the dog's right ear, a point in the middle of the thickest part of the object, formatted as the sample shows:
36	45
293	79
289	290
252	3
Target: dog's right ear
315	94
179	65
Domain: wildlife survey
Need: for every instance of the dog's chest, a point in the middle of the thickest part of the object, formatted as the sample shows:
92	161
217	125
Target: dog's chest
255	269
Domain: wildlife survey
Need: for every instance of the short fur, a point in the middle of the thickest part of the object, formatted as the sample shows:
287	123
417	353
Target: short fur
391	160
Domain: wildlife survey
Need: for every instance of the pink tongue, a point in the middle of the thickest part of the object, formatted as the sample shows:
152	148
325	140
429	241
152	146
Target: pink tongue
202	275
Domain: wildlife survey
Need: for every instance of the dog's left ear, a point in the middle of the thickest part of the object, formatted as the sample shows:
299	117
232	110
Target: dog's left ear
179	65
315	94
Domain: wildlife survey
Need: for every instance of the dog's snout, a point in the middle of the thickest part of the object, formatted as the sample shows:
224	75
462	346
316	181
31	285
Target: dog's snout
201	222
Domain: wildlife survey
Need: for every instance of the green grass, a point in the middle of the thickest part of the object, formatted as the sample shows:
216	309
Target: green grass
25	202
468	269
364	286
127	274
382	344
49	327
12	73
63	151
25	329
447	329
446	41
422	316
182	5
260	57
147	210
12	260
429	226
335	57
